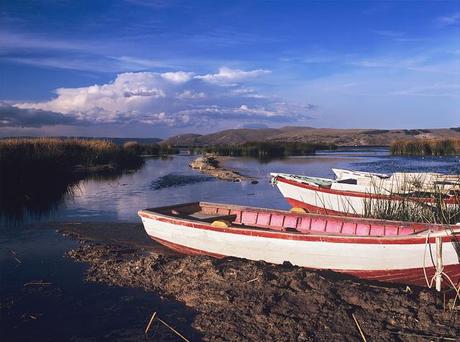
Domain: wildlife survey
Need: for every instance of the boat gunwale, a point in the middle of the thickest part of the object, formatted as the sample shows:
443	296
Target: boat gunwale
445	231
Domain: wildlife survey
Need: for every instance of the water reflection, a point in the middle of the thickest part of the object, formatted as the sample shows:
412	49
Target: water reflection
39	194
119	197
66	308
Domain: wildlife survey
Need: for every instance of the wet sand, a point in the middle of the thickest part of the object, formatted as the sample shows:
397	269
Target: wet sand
236	299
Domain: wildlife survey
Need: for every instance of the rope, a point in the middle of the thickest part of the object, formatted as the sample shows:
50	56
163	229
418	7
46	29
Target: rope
457	290
440	272
428	283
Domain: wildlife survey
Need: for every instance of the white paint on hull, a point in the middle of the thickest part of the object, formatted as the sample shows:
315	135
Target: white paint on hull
323	200
312	254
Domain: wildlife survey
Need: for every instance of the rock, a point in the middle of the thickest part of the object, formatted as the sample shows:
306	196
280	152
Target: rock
210	165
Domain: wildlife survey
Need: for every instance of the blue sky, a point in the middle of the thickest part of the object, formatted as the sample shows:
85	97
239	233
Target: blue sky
158	68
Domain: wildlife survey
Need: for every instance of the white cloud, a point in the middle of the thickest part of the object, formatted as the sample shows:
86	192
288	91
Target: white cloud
232	75
178	76
173	98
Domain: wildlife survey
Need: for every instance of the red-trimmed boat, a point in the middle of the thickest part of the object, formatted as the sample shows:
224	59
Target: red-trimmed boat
390	251
362	193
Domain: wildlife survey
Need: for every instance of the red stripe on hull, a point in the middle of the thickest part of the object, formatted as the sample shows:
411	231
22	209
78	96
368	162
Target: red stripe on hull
185	250
411	276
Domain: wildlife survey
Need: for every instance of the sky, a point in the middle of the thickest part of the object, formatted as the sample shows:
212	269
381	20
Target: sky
138	68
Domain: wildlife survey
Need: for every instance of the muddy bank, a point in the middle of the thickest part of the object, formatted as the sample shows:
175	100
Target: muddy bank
212	166
238	299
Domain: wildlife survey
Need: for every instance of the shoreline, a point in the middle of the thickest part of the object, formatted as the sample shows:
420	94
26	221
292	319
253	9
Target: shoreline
237	299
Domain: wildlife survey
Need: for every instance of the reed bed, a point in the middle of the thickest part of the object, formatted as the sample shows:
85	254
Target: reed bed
408	208
62	153
35	174
266	149
150	149
426	147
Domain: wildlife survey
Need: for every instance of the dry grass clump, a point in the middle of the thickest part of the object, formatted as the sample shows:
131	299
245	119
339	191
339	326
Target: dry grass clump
426	147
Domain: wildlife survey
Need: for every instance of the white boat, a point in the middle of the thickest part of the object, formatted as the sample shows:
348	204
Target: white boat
401	181
391	251
352	174
353	196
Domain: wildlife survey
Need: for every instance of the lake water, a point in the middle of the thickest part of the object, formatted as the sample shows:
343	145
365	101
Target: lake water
120	199
70	309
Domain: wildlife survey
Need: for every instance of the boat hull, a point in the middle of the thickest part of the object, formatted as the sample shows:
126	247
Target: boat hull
391	259
322	201
343	200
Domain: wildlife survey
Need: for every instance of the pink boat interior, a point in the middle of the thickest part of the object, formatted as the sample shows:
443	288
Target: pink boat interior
277	220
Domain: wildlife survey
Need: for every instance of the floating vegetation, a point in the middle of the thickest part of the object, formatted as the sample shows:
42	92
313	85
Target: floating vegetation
426	147
175	179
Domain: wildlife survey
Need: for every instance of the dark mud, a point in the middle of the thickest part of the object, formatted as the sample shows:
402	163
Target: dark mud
236	299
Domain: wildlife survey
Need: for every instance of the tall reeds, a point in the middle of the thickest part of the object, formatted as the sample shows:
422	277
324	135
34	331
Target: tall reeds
150	149
60	153
415	200
426	147
35	174
266	149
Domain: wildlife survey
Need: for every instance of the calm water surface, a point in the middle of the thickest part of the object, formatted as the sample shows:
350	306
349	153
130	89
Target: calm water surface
120	199
70	309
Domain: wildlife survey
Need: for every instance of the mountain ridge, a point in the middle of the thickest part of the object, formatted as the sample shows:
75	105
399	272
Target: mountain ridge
337	136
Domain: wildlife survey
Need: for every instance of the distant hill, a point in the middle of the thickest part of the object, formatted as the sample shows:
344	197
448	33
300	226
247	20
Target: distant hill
340	137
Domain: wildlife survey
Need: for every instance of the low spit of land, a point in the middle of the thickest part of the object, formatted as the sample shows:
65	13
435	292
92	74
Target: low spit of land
212	166
240	300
